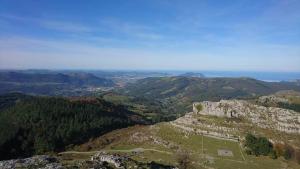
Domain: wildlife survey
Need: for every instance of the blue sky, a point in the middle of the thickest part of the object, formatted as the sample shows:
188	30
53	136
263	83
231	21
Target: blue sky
249	35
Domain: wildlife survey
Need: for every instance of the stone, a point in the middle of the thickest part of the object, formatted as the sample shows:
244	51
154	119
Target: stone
266	117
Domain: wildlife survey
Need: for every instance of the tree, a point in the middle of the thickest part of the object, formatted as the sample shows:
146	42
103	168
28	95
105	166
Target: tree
250	140
251	143
41	124
258	146
264	146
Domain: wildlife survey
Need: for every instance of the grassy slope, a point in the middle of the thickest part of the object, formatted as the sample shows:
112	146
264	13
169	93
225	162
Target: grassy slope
174	139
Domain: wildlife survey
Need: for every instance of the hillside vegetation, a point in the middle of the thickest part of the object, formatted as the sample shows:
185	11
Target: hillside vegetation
163	142
176	94
33	125
209	140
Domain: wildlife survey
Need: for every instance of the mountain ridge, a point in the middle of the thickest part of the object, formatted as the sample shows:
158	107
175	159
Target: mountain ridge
178	93
51	83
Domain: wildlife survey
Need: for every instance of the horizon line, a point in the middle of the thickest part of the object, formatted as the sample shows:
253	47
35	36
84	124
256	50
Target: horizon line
144	70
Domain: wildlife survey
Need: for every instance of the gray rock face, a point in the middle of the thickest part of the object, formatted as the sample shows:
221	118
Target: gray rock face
115	160
47	162
35	162
191	124
220	109
272	99
266	117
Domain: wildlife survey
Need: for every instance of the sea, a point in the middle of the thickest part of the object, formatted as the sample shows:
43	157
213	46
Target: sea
265	76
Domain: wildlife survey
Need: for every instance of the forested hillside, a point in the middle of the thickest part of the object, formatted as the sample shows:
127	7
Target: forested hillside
33	125
204	88
176	94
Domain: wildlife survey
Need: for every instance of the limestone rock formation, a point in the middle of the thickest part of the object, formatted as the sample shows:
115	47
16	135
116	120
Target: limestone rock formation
265	117
35	162
115	160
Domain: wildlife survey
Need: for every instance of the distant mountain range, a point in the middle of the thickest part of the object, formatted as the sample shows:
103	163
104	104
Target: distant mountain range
49	83
70	78
204	88
192	74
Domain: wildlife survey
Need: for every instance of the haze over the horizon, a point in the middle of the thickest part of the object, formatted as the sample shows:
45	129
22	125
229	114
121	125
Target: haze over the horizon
248	35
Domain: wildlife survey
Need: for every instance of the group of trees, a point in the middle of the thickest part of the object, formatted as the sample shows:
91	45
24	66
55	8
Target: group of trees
35	125
262	146
292	106
258	145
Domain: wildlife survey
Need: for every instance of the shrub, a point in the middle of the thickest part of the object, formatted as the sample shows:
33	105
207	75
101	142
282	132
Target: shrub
273	154
199	107
279	149
184	160
264	146
288	152
249	152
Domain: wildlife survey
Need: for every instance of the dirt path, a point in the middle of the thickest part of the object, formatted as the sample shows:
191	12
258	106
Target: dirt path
240	148
79	152
140	150
124	151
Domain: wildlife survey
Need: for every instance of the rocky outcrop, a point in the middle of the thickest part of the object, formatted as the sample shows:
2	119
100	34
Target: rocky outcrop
265	117
35	162
223	108
101	160
47	162
191	124
272	99
116	160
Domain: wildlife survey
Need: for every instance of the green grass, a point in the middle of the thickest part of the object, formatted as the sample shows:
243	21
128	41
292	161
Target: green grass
213	145
193	143
252	163
176	139
161	158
